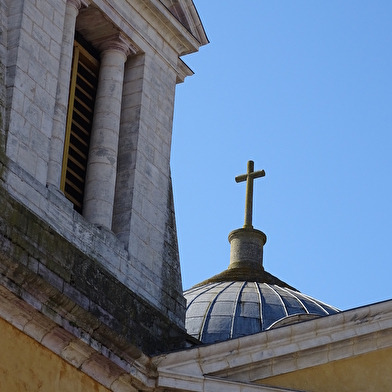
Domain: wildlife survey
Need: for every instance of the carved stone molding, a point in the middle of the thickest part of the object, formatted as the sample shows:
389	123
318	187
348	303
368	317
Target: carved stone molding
78	4
116	42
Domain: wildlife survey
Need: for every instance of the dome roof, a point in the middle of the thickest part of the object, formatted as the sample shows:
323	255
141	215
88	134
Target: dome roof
218	311
246	299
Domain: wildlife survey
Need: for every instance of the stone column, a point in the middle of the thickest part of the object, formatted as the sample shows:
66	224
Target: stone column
102	160
60	111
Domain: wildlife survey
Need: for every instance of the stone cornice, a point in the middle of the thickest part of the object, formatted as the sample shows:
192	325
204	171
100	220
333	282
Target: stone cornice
115	373
187	38
183	71
289	348
125	15
78	4
208	384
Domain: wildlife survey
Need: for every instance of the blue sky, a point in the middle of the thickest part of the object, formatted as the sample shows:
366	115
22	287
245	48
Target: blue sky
304	89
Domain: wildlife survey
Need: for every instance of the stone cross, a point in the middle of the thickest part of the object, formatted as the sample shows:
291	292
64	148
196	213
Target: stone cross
249	177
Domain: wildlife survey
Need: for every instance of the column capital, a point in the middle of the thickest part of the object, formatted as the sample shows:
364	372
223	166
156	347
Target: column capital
78	4
118	42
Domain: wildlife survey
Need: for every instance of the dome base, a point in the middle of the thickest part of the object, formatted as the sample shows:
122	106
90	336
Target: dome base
246	274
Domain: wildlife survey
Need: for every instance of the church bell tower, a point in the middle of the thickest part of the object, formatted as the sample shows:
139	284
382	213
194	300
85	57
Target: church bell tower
87	226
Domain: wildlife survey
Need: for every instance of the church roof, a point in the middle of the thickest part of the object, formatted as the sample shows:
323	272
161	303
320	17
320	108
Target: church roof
224	310
246	299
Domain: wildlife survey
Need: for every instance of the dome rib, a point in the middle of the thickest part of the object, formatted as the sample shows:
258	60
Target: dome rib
260	305
320	304
207	318
280	299
237	303
296	298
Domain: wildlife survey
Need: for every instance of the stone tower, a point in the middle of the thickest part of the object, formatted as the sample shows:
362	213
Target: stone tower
87	225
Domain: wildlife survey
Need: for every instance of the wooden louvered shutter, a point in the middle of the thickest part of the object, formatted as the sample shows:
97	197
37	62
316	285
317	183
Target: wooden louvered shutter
83	86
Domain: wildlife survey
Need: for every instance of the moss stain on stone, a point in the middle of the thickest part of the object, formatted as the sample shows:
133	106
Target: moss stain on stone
32	242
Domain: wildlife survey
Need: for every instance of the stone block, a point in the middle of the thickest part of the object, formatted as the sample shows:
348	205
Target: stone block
139	228
15	8
134	85
164	119
40	35
123	385
46	129
49	61
43	100
12	146
51	84
38	326
58	15
13	37
27	160
33	13
55	48
50	277
76	296
23	60
32	113
340	351
315	357
101	370
31	300
76	353
41	169
46	8
13	315
40	143
54	31
57	339
29	44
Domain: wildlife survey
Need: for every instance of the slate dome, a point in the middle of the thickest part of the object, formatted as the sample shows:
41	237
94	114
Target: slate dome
245	299
219	311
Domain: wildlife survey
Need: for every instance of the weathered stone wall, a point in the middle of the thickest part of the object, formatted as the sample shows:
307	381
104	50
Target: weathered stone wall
3	65
144	212
34	42
128	277
70	285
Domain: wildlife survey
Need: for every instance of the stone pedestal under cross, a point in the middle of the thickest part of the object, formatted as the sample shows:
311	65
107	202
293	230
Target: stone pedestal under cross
249	177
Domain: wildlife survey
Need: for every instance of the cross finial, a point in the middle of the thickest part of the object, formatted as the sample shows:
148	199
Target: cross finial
249	177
